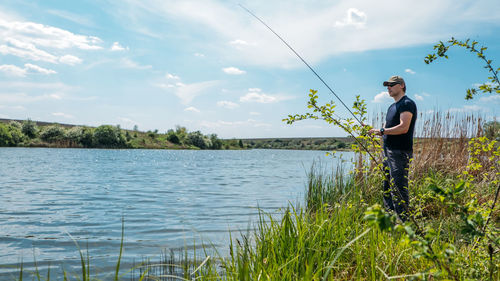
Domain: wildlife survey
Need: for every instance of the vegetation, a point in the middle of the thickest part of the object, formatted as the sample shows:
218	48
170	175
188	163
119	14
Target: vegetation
29	133
493	86
326	144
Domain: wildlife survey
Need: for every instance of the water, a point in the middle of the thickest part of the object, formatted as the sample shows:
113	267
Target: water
169	199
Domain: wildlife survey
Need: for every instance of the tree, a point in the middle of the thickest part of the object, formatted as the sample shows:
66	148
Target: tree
53	133
29	129
80	135
172	137
493	86
16	132
197	139
216	142
181	133
109	136
5	136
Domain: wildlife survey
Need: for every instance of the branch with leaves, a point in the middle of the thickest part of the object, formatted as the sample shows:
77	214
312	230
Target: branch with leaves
493	86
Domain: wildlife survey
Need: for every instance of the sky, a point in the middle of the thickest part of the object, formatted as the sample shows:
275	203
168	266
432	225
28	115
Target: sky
210	66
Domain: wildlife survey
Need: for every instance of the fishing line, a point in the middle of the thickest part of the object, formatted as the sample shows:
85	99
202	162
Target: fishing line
297	54
321	79
338	123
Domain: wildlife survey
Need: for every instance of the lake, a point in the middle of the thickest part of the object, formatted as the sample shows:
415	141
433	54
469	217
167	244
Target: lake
169	199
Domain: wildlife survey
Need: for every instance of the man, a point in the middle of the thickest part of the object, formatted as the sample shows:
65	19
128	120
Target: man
398	146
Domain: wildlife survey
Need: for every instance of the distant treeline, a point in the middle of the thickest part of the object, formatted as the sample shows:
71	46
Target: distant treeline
299	143
28	133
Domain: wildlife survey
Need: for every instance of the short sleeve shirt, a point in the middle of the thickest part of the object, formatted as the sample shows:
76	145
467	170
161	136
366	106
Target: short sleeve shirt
404	141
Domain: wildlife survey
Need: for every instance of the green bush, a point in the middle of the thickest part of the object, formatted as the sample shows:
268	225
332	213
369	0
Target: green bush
109	136
197	139
215	141
5	136
80	135
29	129
172	137
15	129
53	133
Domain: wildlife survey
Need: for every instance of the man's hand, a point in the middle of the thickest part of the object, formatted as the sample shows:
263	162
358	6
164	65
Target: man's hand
375	132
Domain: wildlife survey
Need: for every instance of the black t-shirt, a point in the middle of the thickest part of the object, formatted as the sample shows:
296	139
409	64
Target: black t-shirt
404	141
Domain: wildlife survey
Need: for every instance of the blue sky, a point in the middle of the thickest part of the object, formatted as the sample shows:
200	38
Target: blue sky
210	66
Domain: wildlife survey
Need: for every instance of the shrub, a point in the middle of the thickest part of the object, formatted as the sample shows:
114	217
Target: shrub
197	139
172	137
16	132
29	129
216	142
80	135
53	133
5	136
109	136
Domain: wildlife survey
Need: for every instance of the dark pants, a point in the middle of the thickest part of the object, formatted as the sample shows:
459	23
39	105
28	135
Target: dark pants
396	164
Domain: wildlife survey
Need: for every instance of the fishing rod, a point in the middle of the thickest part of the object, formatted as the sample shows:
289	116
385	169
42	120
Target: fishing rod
405	204
321	79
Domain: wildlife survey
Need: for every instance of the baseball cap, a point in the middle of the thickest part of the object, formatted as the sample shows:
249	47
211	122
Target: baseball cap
395	79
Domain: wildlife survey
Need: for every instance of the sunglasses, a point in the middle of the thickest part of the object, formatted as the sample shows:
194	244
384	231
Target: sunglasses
392	84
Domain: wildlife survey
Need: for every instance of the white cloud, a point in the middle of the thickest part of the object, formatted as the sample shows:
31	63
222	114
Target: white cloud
234	124
47	36
382	97
239	42
256	95
185	92
199	55
491	99
65	115
419	97
192	109
171	76
12	70
38	42
128	121
468	108
128	63
39	69
410	71
233	71
354	18
254	113
69	59
117	47
25	50
227	104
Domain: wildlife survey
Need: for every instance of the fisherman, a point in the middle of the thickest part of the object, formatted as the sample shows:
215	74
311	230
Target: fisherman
398	146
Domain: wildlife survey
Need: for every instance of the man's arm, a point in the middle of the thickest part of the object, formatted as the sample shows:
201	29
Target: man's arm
401	128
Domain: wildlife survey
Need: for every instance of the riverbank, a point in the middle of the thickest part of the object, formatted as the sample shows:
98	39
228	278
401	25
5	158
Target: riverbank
27	133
